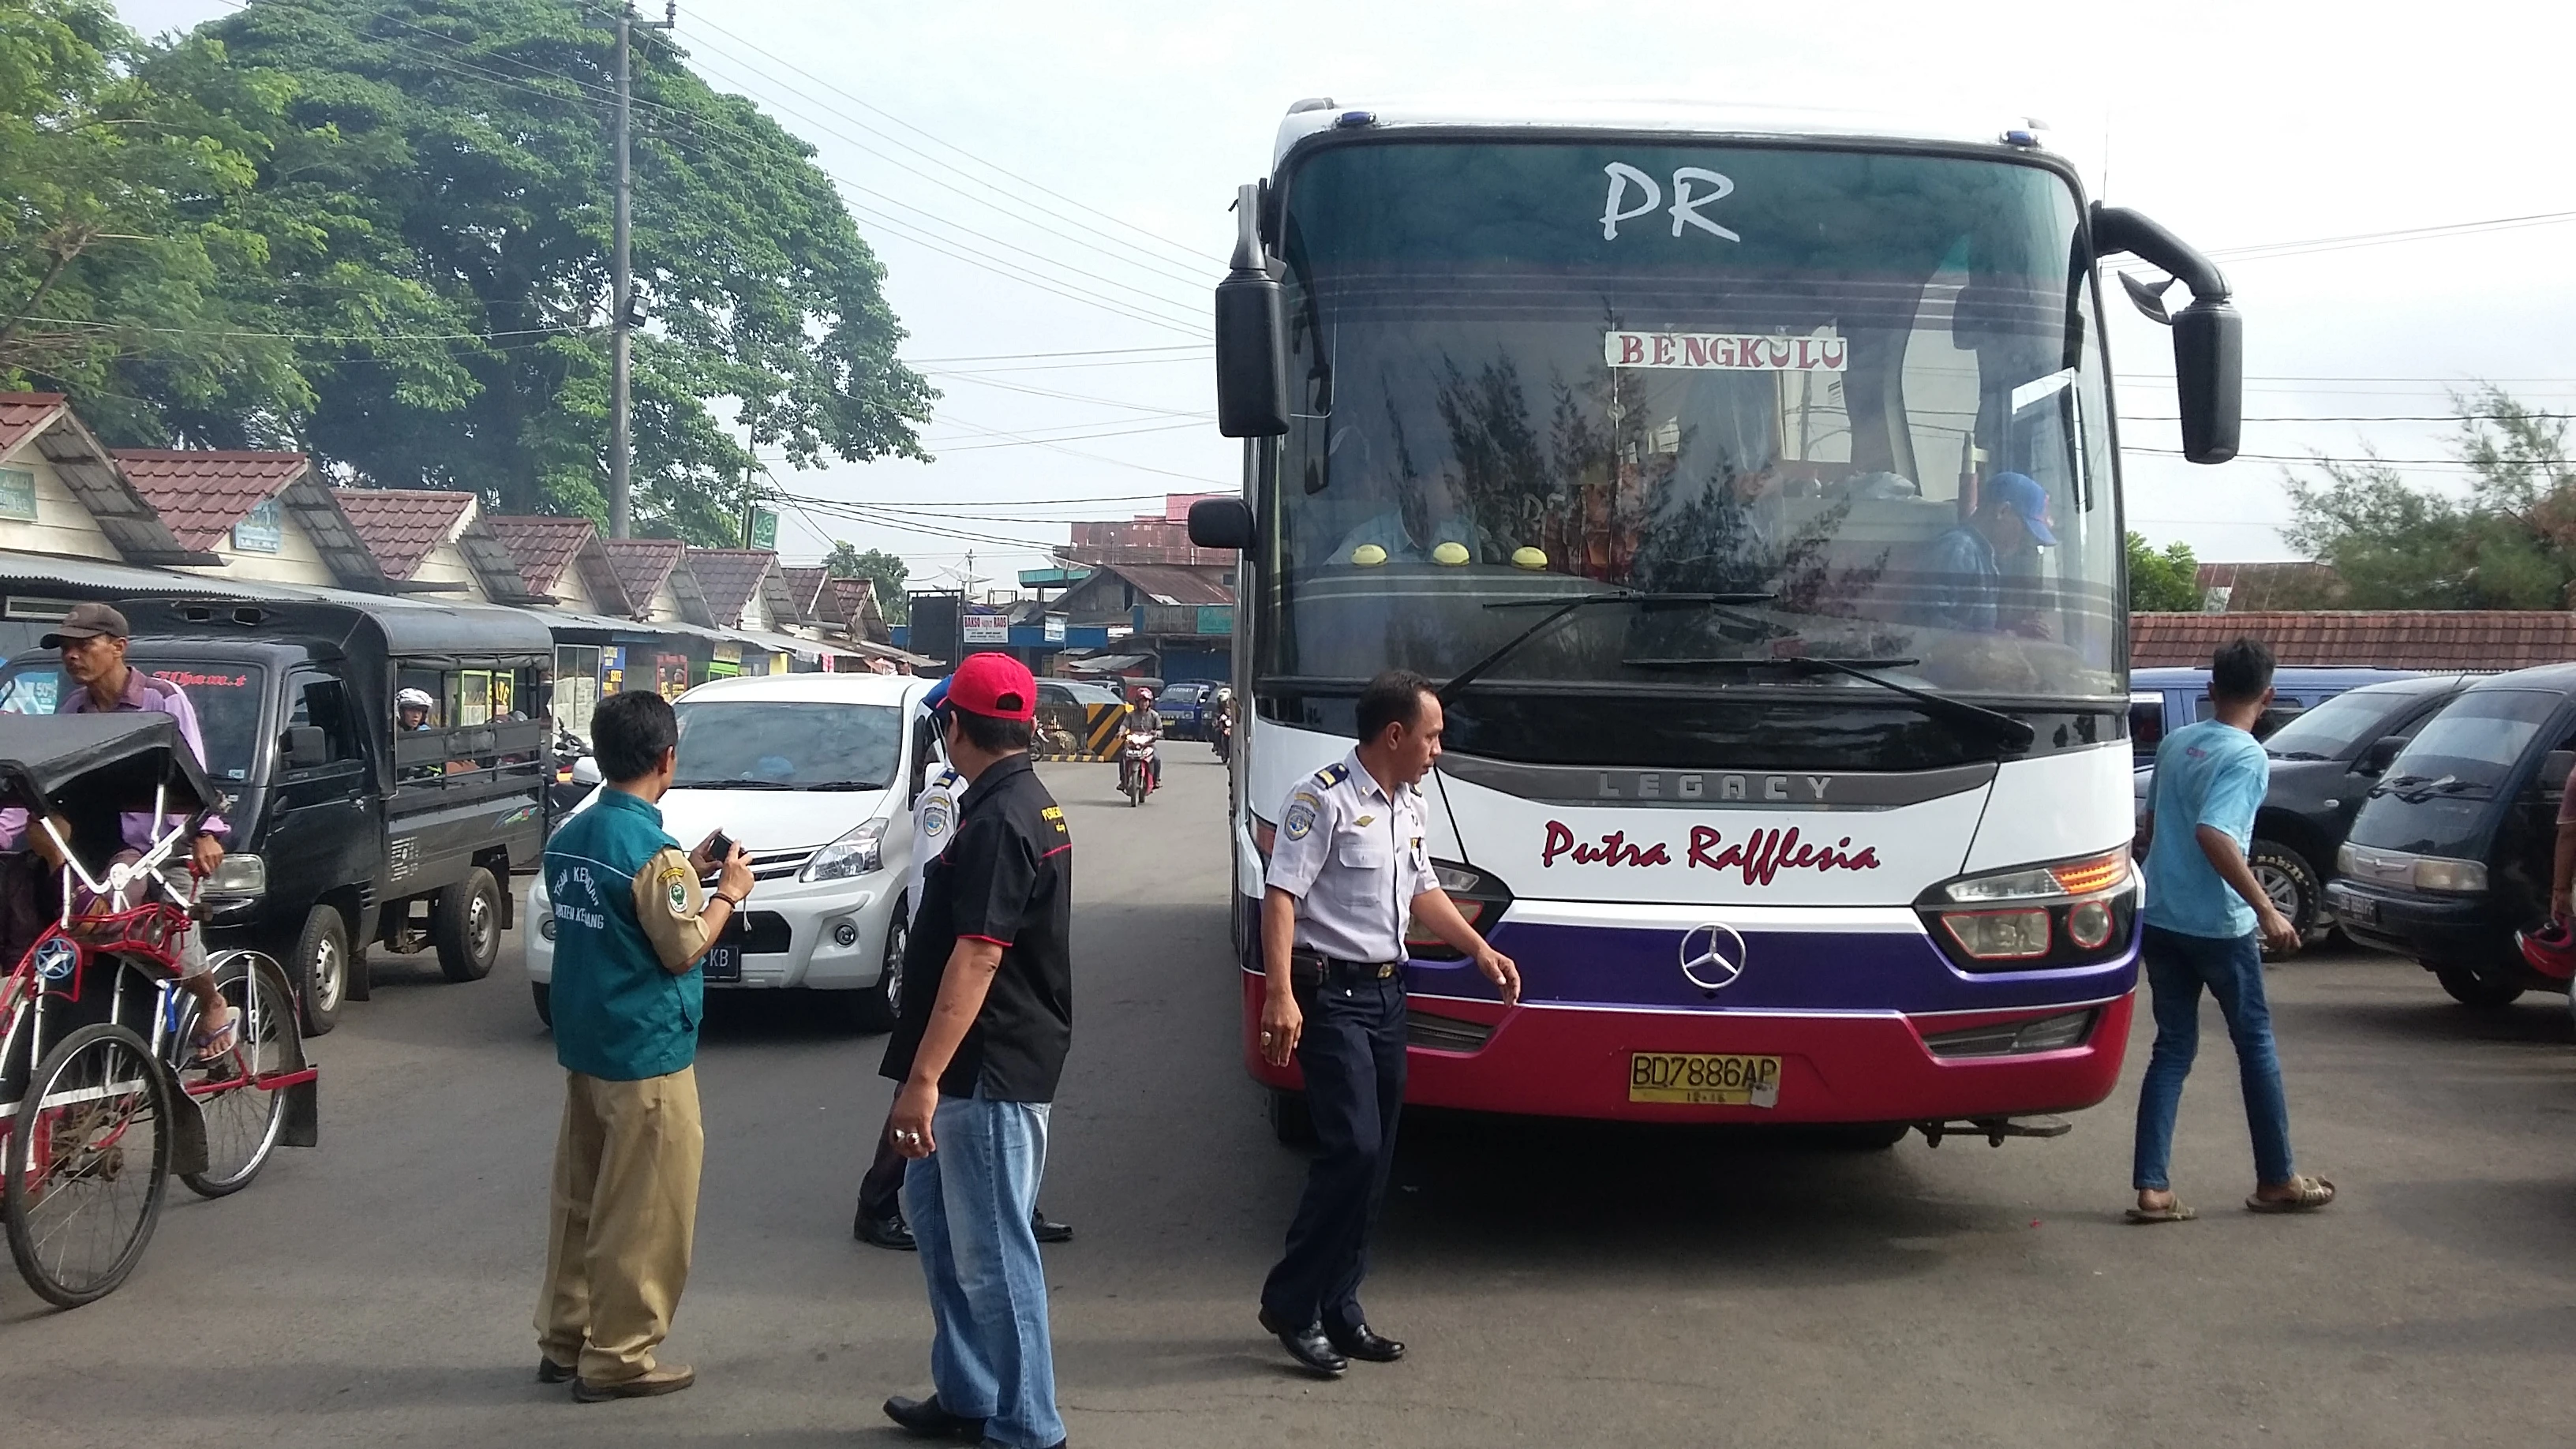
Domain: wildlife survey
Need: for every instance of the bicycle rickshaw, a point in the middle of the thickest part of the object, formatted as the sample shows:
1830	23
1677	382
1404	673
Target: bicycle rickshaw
102	1100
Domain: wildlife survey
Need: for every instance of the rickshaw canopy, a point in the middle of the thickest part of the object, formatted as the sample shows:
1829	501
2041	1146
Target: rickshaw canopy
114	761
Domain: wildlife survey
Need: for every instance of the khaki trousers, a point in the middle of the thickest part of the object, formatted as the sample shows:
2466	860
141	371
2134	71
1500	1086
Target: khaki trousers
624	1215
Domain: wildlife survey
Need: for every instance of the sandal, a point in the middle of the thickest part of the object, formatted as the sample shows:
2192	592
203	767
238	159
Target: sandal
2172	1212
2309	1194
212	1044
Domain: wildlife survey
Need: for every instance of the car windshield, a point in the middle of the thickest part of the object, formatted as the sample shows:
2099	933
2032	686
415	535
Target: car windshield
226	697
736	744
1865	386
2475	742
2334	727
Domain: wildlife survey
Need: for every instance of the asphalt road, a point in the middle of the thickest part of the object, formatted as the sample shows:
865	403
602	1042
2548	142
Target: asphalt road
1560	1285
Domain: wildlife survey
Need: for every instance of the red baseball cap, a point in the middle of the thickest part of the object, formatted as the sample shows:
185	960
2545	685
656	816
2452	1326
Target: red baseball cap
994	685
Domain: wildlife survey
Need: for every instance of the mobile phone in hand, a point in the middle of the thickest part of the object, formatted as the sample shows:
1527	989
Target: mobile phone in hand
719	848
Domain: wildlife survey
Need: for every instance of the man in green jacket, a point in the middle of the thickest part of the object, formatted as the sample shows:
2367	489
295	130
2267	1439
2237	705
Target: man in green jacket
631	925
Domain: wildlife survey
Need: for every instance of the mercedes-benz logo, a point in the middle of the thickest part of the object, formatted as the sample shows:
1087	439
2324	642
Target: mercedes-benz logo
1712	956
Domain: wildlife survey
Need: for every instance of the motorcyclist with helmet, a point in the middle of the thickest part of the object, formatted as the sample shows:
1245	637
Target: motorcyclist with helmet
1145	728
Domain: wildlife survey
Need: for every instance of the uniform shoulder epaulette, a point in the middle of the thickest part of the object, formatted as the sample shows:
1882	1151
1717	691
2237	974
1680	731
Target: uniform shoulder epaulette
1332	775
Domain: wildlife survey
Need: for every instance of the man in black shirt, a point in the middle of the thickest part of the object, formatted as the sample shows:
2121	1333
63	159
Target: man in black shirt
987	1020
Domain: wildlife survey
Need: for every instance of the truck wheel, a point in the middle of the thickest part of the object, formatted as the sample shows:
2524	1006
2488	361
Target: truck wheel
465	925
2290	881
545	1002
319	969
2471	987
1290	1121
875	1008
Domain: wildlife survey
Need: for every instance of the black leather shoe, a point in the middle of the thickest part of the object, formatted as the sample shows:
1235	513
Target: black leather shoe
1364	1343
1049	1231
926	1418
551	1372
1308	1346
885	1232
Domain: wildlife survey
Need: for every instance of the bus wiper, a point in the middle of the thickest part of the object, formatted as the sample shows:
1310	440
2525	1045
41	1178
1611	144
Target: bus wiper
2014	734
1565	608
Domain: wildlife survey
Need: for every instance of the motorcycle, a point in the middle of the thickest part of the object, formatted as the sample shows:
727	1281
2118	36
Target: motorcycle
576	775
1136	767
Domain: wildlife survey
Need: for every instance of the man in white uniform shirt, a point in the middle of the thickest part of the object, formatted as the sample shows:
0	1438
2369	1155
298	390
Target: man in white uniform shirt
1348	866
934	820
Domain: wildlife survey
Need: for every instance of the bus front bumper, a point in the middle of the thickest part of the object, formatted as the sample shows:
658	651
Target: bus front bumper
1552	1061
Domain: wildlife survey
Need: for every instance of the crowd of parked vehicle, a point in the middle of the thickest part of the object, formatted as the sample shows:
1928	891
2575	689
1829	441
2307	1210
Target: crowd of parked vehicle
2418	814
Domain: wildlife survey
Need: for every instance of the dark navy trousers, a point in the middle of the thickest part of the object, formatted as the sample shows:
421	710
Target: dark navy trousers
1352	1052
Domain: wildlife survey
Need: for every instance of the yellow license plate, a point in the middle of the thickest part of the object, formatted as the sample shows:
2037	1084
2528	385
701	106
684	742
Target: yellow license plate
1702	1079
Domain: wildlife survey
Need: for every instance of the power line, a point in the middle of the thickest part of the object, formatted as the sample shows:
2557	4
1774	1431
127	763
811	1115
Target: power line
1189	251
1156	265
1201	350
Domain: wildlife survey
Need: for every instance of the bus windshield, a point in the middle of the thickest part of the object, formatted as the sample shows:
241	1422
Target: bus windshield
1864	388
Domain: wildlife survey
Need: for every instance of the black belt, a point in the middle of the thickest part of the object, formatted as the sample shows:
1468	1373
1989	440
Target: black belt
1313	966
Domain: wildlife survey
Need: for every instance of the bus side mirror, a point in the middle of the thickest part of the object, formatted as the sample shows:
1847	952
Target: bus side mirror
2209	379
1251	322
2209	336
2381	754
1220	523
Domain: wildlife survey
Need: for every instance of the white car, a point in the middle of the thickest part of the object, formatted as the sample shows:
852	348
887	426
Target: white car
812	774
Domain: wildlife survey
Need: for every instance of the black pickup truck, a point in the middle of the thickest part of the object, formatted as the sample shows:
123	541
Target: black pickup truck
347	831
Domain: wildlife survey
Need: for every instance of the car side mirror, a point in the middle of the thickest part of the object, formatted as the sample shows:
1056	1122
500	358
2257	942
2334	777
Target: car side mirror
2381	754
585	771
1251	322
1221	523
303	746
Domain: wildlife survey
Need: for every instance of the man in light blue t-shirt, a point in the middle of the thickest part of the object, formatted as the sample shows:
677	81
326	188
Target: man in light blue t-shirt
2207	921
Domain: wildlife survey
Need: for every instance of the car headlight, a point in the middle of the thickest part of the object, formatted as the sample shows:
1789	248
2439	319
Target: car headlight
2434	874
239	875
861	852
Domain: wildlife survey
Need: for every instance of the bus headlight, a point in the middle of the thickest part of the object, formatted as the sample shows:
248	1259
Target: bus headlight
2065	913
1480	899
861	852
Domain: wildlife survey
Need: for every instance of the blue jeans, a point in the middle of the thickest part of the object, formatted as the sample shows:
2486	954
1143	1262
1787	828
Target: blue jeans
2178	966
969	1204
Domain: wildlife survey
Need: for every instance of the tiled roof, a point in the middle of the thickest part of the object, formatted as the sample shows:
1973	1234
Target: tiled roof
402	526
22	413
201	493
2381	639
729	577
1175	583
643	564
805	586
544	546
2254	587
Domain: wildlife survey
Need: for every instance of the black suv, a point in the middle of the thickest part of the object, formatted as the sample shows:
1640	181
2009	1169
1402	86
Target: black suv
2323	765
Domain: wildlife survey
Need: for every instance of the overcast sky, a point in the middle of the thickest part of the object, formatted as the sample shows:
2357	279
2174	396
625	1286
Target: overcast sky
2237	125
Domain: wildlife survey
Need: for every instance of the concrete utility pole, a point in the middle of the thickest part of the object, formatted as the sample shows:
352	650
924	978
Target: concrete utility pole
621	290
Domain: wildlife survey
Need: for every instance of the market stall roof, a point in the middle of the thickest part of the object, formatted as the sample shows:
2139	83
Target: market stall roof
1106	664
97	578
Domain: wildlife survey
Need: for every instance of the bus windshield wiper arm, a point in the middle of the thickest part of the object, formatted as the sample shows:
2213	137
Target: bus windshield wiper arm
1566	607
2015	734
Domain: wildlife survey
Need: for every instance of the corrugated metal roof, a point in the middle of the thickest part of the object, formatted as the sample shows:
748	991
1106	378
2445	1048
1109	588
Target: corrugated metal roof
1174	583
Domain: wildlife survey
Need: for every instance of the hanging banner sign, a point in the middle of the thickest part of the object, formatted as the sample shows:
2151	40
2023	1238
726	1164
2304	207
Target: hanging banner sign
986	628
1725	352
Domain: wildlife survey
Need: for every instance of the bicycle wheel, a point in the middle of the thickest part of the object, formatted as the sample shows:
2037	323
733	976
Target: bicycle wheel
242	1117
88	1165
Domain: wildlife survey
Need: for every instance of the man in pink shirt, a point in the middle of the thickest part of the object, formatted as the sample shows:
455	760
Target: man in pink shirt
92	639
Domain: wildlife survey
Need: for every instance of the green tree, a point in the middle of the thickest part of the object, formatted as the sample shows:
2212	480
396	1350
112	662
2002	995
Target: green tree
2163	583
435	200
2509	543
884	569
130	171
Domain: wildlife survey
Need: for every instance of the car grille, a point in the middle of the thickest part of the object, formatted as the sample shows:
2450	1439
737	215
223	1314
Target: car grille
2013	1038
779	864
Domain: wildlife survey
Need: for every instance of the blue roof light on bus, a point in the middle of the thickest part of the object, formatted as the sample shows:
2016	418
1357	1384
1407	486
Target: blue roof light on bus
2021	138
1353	120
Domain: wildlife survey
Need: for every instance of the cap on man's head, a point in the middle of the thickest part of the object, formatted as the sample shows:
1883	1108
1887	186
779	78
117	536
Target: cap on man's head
2028	501
937	696
995	686
87	621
